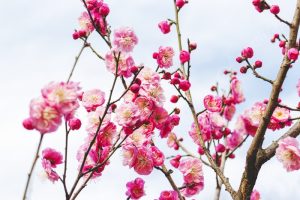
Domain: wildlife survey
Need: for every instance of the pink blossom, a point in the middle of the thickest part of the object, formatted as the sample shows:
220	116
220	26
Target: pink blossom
213	104
54	157
135	189
149	77
255	195
180	3
288	153
157	156
229	111
124	65
144	163
165	57
193	189
137	139
237	93
172	140
281	115
175	161
129	153
127	114
184	56
125	39
159	116
165	27
145	107
184	85
85	23
154	92
106	135
168	195
91	99
191	168
50	173
293	54
44	118
253	116
94	121
233	140
62	96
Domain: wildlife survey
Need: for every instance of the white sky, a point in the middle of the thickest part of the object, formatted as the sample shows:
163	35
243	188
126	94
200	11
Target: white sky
37	47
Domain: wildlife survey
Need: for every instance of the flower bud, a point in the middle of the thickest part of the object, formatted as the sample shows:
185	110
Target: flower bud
275	9
174	99
74	124
28	124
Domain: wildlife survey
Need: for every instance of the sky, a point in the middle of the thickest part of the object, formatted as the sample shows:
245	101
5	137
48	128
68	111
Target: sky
36	47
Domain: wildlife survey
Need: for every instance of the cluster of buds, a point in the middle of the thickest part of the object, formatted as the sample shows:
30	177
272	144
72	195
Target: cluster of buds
261	5
246	54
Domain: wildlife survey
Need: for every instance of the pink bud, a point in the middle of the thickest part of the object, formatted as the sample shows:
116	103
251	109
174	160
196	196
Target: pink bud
226	131
174	99
201	151
75	35
175	81
177	75
275	9
165	27
138	81
256	2
220	148
113	107
155	55
293	54
177	111
232	156
282	44
28	124
184	85
184	56
134	69
135	88
243	70
276	36
258	64
104	10
175	161
239	59
167	76
247	52
180	3
74	124
193	46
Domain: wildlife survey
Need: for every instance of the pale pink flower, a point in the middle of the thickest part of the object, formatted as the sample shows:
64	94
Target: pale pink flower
213	104
124	64
255	195
165	27
54	157
281	115
165	57
155	93
125	39
253	116
168	195
149	77
62	96
44	118
92	99
94	121
288	153
137	139
129	153
191	168
135	189
50	173
172	140
85	23
145	106
237	93
144	163
127	114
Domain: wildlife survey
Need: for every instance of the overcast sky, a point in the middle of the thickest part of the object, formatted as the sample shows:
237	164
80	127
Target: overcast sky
36	47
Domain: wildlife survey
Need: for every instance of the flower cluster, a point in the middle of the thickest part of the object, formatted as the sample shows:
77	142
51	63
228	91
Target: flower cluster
288	153
59	99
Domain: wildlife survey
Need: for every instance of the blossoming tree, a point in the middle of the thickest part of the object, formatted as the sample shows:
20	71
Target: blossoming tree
133	121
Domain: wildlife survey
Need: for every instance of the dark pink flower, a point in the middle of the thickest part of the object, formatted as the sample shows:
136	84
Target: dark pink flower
293	54
184	56
213	104
168	195
135	189
165	27
54	157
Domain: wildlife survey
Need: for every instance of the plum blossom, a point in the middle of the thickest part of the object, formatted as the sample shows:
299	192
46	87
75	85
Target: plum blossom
237	93
50	159
280	118
288	153
44	118
213	104
233	140
94	122
91	99
127	114
191	168
253	116
165	57
229	111
168	195
125	39
125	62
144	163
293	54
62	96
135	189
85	23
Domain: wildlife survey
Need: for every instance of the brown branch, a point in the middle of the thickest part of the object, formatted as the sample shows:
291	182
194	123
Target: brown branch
32	167
252	167
289	108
